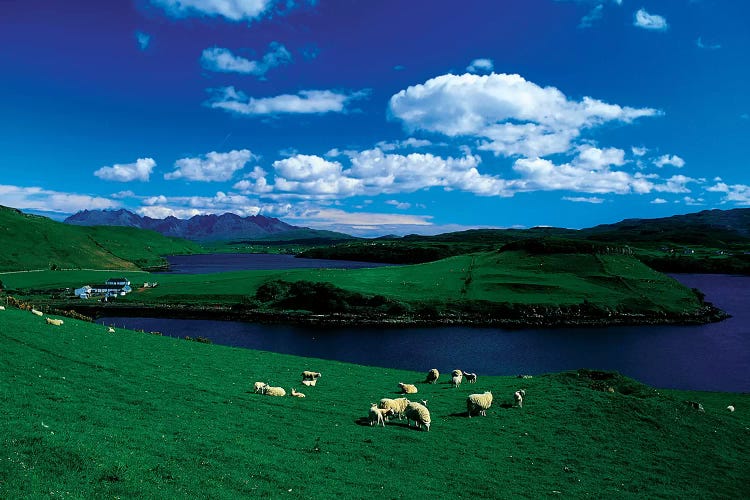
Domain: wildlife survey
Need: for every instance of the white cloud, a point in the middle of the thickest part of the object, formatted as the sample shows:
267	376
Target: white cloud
45	200
233	10
639	151
401	205
708	46
138	171
594	15
411	142
123	194
582	199
184	207
643	19
213	167
675	184
507	114
736	193
672	160
223	60
658	201
480	66
304	102
693	201
143	39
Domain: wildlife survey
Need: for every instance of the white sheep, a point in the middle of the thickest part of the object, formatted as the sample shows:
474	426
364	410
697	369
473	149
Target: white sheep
518	397
432	376
379	415
110	330
258	386
273	391
457	378
397	405
470	377
310	383
2	308
38	313
419	413
56	322
407	388
478	403
730	408
297	394
308	375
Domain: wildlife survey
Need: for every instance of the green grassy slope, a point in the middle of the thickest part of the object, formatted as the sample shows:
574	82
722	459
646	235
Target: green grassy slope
89	414
34	242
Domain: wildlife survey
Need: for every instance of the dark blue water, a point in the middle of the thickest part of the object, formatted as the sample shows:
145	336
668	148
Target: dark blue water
221	262
714	357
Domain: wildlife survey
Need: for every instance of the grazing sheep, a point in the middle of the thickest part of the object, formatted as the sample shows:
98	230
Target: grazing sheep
397	405
432	376
419	413
471	377
310	383
379	415
258	386
273	391
308	375
110	330
478	403
407	388
56	322
457	378
297	394
38	313
518	397
730	408
2	308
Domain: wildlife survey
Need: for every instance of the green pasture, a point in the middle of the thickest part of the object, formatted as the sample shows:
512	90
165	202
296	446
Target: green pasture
92	414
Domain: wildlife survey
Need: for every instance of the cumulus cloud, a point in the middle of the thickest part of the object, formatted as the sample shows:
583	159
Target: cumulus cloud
675	184
639	151
410	143
658	201
672	160
304	102
584	199
143	39
45	200
507	114
184	207
480	66
233	10
213	167
138	171
223	60
401	205
654	22
594	15
735	193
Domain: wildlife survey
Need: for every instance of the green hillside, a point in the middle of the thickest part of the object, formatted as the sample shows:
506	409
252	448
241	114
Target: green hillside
34	242
91	414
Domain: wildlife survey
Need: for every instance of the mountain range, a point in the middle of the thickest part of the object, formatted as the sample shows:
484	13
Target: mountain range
227	226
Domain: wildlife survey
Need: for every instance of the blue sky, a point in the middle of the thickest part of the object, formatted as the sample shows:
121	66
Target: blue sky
380	117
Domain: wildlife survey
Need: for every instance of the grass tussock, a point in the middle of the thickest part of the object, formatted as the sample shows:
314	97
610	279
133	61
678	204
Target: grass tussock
87	413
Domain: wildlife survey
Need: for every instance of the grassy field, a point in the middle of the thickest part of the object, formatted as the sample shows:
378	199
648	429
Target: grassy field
92	414
34	242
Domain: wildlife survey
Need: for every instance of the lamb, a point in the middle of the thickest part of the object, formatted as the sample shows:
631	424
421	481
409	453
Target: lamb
258	386
308	375
56	322
110	330
518	397
38	313
457	378
730	408
297	394
471	377
432	376
419	413
407	388
478	403
379	415
397	405
310	383
273	391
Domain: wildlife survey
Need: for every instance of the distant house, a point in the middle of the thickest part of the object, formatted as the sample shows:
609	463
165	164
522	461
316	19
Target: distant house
83	293
108	290
118	281
112	288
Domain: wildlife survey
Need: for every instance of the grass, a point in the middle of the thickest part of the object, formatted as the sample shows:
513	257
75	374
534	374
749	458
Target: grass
89	414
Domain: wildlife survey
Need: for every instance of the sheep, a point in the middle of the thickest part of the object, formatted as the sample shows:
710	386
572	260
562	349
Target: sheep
379	415
471	377
2	308
273	391
297	394
397	405
432	376
457	378
518	397
38	313
308	375
110	330
258	386
310	383
407	388
730	408
419	413
478	403
56	322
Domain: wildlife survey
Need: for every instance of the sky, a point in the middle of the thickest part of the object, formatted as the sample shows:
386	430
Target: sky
377	117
